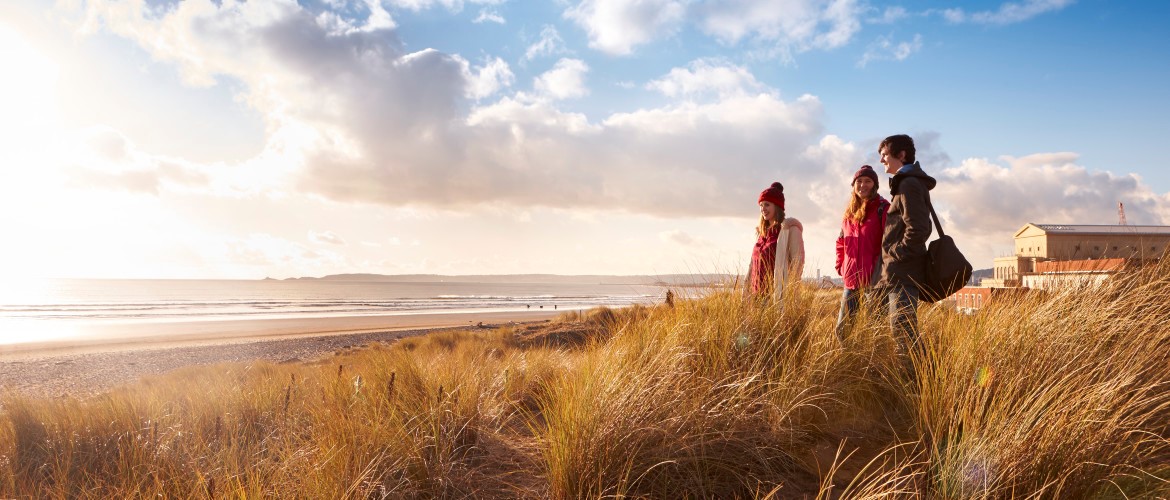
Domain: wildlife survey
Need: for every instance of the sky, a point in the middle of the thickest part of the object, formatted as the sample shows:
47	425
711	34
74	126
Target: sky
277	138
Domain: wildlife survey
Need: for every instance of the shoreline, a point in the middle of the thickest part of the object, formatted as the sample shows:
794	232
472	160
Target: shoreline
83	371
122	337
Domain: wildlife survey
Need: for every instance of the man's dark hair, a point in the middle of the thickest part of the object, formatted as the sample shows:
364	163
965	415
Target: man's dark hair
898	143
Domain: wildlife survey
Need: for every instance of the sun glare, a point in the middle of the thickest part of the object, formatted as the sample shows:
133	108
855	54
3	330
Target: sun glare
33	146
27	91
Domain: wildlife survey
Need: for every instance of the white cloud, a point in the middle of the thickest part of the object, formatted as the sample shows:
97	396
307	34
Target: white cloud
885	49
355	118
489	16
683	239
379	18
706	76
617	26
489	79
326	238
787	25
451	5
1045	188
1007	13
565	81
266	251
891	15
983	202
550	43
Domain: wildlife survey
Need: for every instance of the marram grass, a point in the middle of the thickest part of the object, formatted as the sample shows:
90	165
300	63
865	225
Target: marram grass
1042	395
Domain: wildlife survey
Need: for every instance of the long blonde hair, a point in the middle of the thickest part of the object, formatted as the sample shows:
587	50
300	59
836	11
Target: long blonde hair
765	227
855	209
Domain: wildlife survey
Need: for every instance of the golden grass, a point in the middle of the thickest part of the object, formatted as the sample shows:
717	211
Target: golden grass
1061	395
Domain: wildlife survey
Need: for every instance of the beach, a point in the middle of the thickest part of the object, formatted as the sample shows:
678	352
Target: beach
113	355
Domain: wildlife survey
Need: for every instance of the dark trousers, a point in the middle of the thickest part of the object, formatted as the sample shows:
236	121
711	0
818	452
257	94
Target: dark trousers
904	316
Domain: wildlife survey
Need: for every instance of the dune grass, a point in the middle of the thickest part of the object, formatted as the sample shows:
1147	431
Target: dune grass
1047	395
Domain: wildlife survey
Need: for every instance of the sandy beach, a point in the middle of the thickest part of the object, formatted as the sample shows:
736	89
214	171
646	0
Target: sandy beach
112	355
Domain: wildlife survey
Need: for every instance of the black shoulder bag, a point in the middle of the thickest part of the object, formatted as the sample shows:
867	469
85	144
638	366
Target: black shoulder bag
946	269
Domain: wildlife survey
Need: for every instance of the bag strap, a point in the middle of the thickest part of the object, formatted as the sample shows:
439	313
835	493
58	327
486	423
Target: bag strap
933	215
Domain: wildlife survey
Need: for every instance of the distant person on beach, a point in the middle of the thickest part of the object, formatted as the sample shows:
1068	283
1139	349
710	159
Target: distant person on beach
904	239
778	255
859	244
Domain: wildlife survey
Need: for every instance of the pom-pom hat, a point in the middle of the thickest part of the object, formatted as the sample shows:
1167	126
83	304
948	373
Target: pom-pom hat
774	194
865	171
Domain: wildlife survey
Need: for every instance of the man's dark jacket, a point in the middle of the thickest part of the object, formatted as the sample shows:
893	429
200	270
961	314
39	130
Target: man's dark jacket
908	226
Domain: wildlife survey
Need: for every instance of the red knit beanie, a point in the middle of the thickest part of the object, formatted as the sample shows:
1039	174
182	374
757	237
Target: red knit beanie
865	171
774	194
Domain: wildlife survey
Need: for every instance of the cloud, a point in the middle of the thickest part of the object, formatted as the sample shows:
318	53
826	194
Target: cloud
617	26
706	76
450	5
550	43
489	79
353	117
984	201
108	144
789	26
488	15
1008	13
682	238
884	49
110	161
379	18
565	81
891	15
777	27
265	251
326	238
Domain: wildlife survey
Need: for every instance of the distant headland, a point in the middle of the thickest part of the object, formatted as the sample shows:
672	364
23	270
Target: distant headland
660	280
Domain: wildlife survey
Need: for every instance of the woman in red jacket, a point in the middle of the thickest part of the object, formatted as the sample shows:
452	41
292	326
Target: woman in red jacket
778	255
859	246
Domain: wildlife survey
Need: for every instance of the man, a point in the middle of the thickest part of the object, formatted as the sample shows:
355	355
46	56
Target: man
907	228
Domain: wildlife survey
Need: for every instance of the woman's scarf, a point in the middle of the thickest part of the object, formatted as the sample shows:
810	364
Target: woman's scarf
764	261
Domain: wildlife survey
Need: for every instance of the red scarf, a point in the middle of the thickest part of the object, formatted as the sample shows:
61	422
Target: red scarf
764	261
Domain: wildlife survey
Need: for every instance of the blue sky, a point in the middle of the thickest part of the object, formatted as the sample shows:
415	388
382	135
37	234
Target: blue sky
274	138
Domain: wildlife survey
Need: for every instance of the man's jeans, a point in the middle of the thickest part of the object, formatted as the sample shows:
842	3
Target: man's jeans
904	316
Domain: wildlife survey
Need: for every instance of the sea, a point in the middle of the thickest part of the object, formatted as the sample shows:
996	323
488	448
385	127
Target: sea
40	310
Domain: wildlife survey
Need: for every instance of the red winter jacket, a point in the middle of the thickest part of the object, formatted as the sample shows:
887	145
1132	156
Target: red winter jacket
859	246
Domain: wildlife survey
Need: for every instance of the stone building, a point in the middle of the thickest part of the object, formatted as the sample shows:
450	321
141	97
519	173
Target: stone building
1047	256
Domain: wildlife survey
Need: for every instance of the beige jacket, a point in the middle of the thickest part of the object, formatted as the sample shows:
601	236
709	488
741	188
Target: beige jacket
789	254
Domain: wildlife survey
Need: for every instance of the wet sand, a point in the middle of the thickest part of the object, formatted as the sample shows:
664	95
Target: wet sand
118	354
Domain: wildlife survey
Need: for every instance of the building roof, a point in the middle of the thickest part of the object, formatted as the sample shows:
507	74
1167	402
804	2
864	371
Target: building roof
1080	266
1096	229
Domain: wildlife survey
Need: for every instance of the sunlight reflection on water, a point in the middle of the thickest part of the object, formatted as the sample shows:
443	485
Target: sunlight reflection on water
14	331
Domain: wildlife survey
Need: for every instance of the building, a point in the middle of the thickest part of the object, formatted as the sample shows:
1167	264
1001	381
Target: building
1048	256
1081	242
1066	273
